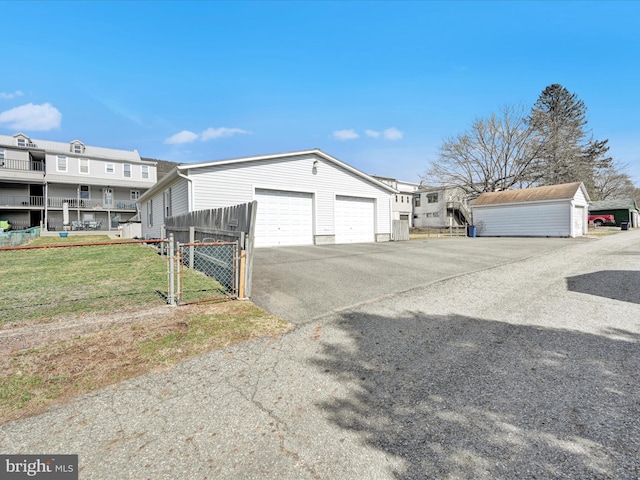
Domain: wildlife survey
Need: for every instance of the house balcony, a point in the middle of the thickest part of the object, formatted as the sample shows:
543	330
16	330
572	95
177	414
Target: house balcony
89	204
26	201
22	169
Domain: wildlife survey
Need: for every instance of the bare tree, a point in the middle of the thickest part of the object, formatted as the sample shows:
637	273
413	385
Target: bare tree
611	182
497	153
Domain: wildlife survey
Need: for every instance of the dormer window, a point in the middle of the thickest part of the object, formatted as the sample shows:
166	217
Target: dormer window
22	142
77	147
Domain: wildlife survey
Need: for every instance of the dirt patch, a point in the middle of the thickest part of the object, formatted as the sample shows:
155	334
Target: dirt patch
45	364
15	337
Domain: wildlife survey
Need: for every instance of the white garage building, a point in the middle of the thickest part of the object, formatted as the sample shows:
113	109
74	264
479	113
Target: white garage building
553	211
304	198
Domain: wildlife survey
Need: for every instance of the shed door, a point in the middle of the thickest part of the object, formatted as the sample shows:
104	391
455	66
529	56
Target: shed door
354	220
283	218
578	221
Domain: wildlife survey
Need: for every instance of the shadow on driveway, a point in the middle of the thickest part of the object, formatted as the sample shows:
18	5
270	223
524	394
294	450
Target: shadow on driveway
621	285
460	397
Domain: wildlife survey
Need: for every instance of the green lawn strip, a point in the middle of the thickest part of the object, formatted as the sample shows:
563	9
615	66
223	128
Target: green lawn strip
31	380
46	283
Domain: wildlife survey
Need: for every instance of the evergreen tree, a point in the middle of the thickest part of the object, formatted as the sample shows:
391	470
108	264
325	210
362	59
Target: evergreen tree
558	119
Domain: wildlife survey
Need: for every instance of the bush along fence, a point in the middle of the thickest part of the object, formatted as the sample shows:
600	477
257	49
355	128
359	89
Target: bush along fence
218	243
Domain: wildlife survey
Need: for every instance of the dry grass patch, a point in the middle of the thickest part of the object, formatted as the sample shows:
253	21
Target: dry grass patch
33	379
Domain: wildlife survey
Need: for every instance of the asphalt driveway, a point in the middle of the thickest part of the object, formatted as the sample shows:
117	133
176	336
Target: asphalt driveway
304	283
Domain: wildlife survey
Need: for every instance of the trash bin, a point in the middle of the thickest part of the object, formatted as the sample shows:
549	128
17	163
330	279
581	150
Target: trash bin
624	225
471	231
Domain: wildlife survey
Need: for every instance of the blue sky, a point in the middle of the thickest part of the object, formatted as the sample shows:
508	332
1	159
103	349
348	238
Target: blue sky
378	85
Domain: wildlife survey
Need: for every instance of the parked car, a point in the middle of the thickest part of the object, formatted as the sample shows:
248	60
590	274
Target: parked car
600	220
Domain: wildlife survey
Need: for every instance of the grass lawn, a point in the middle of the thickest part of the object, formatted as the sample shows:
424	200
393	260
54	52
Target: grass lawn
46	289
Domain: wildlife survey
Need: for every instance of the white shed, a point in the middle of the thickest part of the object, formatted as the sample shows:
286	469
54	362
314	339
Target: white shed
304	198
553	211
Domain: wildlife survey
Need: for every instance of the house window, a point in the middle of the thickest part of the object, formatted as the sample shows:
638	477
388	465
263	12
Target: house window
167	203
77	148
61	164
1	158
84	165
150	213
416	200
436	214
432	198
145	171
84	192
135	194
22	142
396	198
110	168
126	170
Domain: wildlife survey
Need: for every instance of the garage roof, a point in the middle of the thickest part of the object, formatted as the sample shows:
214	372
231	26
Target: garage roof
183	168
565	191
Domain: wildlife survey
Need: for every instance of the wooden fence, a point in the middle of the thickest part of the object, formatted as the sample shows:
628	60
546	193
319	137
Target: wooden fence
228	224
400	230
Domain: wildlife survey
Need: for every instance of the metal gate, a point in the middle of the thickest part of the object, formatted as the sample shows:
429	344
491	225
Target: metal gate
207	271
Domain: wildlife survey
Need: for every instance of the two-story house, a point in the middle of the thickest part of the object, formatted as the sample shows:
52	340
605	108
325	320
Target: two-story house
401	202
69	185
441	207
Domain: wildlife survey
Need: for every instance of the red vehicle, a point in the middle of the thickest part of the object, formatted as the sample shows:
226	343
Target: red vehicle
600	220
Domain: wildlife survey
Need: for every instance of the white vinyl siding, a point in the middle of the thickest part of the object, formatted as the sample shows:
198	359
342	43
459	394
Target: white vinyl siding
180	197
354	219
232	184
283	218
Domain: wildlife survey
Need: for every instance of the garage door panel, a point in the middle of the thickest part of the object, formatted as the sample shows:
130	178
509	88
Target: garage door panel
283	218
354	219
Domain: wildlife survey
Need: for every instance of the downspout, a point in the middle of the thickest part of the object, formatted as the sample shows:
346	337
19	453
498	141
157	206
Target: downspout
189	190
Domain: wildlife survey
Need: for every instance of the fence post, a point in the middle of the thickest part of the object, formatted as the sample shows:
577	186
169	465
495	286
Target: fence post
192	239
172	272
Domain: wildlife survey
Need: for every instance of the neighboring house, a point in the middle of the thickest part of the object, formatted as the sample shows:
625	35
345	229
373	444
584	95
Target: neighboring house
42	180
304	198
401	202
440	207
553	211
624	210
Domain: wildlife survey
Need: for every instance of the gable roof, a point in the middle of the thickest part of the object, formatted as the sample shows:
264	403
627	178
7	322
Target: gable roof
182	168
616	204
565	191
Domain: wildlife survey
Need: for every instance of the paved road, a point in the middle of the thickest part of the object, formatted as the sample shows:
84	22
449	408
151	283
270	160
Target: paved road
527	369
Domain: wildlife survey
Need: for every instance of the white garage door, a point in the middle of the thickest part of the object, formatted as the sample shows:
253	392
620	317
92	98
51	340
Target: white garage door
354	220
283	218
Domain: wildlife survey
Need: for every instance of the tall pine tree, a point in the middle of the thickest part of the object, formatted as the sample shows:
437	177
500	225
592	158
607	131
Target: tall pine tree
558	119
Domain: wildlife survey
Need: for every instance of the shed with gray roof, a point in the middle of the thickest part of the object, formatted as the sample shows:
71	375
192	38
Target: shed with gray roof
551	211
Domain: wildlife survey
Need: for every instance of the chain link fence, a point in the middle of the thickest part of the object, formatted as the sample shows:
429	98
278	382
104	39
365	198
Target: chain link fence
47	282
14	238
207	271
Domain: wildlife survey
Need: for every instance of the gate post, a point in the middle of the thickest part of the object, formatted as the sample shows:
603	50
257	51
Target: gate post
172	272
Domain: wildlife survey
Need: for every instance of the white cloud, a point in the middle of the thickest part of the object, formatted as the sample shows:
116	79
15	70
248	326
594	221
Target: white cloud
32	117
211	133
185	136
8	96
392	134
345	135
372	133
